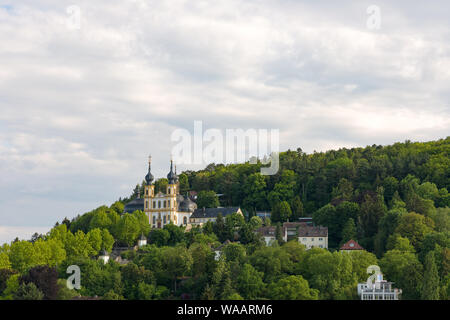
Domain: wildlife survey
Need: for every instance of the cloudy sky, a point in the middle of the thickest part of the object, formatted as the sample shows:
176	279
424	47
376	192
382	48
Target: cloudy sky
83	105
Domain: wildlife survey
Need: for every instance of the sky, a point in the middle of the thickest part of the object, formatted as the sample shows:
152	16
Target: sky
88	89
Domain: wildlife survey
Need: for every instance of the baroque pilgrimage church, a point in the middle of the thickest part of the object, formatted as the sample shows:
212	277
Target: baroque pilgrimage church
171	206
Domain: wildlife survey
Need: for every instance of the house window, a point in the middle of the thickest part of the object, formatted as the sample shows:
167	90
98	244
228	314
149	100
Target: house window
154	219
159	204
320	239
165	203
146	204
164	219
184	220
168	203
146	192
312	239
304	239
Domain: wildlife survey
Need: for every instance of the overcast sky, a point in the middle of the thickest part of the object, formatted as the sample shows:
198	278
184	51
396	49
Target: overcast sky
82	108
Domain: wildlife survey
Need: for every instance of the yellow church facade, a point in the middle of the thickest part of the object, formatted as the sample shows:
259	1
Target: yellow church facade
169	207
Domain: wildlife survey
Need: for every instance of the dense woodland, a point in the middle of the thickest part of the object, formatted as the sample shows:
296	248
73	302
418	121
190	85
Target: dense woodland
393	200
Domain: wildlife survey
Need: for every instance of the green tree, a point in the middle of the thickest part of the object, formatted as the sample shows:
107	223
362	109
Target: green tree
255	190
129	229
100	220
160	237
28	291
95	239
176	261
249	282
283	190
372	210
234	252
207	199
292	288
415	227
281	212
403	268
184	183
161	185
176	234
107	240
297	208
344	190
430	286
349	231
50	252
22	255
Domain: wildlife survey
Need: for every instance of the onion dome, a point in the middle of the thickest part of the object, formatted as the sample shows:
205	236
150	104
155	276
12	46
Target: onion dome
187	205
171	175
149	177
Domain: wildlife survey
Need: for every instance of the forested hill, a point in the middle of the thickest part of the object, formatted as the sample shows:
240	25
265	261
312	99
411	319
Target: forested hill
392	199
369	181
357	184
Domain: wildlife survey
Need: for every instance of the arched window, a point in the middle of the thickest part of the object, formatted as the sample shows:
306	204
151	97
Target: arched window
185	220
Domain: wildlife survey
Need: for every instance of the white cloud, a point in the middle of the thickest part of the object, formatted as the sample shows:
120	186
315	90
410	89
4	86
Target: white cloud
82	109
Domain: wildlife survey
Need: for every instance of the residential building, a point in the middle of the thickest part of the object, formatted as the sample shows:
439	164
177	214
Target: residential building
203	215
308	235
378	290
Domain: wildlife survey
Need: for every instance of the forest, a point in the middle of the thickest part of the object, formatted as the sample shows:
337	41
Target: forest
392	199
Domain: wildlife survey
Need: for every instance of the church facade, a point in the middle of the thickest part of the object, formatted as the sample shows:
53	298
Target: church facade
169	207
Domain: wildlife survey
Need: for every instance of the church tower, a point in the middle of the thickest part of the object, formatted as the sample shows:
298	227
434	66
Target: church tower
172	191
149	192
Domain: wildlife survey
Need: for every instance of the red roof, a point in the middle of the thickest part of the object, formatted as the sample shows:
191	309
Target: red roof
351	245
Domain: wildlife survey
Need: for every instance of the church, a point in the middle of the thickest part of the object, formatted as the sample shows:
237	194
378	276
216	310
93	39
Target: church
172	207
169	207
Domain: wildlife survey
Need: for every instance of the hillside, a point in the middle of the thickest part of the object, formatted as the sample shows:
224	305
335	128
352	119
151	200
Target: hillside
392	199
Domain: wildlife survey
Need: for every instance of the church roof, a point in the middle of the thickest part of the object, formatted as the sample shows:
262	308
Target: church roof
187	205
133	205
171	176
213	212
